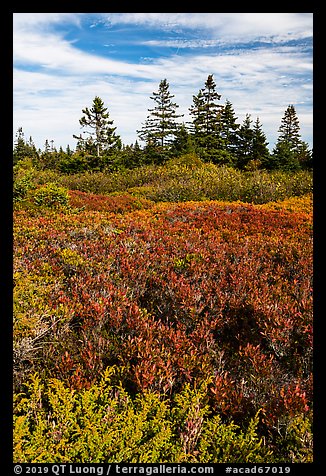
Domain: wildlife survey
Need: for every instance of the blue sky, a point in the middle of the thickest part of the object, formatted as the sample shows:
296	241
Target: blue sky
261	63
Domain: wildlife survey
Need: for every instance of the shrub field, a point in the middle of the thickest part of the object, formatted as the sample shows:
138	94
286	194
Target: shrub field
150	331
179	180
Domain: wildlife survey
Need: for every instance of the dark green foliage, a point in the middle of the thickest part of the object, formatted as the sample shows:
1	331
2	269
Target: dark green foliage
50	158
260	153
214	135
290	128
160	125
229	128
82	161
154	154
251	146
305	156
129	157
101	136
290	152
183	142
206	121
283	157
77	162
245	143
19	151
22	148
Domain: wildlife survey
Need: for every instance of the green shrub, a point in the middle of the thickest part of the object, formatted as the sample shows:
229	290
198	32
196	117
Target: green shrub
260	186
24	179
50	195
220	183
94	182
221	443
177	190
299	183
144	191
182	179
191	161
102	424
49	176
296	439
53	423
21	187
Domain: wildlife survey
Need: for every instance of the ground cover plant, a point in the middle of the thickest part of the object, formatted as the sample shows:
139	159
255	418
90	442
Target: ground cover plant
183	179
152	332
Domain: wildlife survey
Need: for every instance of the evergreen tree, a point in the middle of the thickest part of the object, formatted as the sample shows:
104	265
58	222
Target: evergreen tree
229	128
47	148
81	144
182	143
101	136
22	148
32	149
49	156
160	124
290	152
283	157
260	154
129	157
147	133
290	128
197	111
305	156
206	120
244	147
19	151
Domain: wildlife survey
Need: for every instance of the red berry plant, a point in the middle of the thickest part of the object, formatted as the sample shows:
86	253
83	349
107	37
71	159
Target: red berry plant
207	295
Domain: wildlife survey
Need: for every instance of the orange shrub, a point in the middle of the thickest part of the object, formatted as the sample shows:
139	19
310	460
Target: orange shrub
116	203
176	294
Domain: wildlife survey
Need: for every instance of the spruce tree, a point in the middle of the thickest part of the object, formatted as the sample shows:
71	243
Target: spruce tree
22	148
197	125
49	156
47	148
305	156
160	126
19	151
245	143
260	154
290	128
289	149
229	131
147	133
182	143
101	136
32	148
206	120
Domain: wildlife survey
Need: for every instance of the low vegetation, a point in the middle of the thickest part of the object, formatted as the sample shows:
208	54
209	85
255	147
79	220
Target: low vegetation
163	314
184	179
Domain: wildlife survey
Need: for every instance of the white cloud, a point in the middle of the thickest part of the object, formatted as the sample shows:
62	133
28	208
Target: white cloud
52	52
48	101
226	26
24	21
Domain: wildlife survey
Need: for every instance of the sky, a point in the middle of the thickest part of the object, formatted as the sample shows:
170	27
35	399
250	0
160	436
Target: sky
261	63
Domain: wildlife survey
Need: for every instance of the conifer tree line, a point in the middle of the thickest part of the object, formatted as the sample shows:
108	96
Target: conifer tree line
213	134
